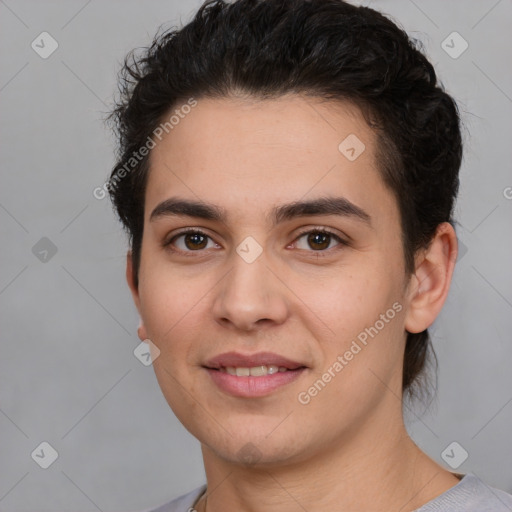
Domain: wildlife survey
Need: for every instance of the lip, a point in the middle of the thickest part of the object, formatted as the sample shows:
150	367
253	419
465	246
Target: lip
236	359
252	387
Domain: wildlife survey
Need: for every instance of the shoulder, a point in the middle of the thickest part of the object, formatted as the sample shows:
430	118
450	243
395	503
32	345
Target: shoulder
184	503
470	495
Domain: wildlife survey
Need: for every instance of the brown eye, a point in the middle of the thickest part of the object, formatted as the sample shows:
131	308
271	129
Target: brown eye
194	241
190	241
319	240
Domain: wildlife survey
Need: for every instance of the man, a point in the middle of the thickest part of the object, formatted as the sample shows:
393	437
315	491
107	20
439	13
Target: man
287	176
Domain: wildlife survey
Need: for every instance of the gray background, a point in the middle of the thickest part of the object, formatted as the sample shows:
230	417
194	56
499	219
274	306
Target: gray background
67	369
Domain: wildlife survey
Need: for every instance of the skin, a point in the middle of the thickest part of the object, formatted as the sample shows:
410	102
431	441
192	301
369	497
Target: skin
348	448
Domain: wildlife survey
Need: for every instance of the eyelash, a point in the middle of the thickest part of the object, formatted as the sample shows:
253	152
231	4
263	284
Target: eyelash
318	253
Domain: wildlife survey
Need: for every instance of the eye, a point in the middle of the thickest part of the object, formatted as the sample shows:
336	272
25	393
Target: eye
318	239
190	241
314	240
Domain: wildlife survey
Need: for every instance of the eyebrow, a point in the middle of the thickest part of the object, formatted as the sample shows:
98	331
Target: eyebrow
339	206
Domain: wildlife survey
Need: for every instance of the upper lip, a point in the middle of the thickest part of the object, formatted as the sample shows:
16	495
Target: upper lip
237	360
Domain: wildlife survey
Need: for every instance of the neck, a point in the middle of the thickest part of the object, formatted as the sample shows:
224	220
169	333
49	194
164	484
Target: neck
377	467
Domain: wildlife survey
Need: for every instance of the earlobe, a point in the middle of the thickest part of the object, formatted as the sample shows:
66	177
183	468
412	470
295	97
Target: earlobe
141	331
431	281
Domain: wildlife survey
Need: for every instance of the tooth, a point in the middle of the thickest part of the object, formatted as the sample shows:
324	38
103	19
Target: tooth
255	371
258	371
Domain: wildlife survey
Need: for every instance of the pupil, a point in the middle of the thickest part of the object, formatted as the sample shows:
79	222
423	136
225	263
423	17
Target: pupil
319	239
195	241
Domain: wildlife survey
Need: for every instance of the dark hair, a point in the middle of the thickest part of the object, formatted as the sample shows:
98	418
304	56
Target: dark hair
326	49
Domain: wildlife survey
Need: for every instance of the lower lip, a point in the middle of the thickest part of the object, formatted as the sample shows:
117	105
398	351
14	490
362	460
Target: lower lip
249	387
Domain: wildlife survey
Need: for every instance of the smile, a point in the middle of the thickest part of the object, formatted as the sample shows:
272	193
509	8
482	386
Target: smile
254	375
255	371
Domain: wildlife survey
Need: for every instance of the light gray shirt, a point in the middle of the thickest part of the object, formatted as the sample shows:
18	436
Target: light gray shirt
470	495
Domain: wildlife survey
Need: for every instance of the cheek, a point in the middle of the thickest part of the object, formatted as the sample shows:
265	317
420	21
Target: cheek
364	312
351	302
167	305
173	313
166	293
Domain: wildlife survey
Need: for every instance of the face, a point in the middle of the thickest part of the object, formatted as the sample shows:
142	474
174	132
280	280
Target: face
315	293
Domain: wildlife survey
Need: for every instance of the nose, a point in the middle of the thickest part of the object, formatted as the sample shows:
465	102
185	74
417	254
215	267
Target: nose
250	296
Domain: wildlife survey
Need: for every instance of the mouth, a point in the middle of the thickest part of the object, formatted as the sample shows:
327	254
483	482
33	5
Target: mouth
253	375
254	371
258	360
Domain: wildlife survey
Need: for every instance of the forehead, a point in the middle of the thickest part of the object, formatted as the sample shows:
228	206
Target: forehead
250	155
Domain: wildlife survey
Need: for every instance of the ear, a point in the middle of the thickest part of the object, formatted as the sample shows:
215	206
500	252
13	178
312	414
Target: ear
430	283
141	331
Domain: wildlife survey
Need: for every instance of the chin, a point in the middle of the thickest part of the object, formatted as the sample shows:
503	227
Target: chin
255	454
256	445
